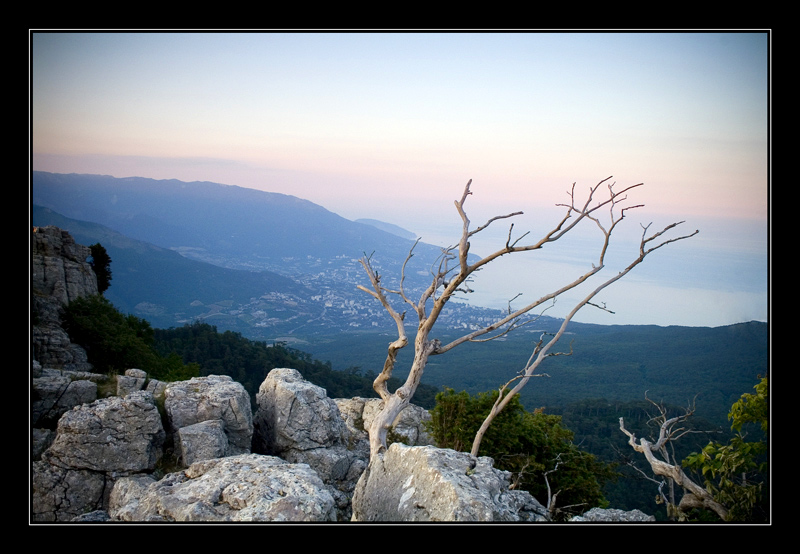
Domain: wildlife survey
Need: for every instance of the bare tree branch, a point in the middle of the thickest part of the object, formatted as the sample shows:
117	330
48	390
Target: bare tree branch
698	496
544	351
447	280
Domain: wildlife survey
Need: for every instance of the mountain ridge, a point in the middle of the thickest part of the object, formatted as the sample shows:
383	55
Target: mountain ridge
250	229
388	227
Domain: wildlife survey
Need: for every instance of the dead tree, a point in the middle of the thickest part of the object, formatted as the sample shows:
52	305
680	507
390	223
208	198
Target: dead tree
452	274
662	464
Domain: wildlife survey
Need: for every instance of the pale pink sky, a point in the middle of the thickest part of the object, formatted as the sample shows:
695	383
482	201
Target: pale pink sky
391	126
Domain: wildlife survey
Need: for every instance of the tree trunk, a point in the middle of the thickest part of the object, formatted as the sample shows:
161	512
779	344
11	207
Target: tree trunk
393	404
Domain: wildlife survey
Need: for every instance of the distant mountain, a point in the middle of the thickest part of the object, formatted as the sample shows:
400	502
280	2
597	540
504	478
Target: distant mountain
229	226
389	228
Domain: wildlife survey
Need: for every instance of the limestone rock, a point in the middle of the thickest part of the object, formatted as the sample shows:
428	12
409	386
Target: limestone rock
297	421
59	274
61	494
55	392
119	435
202	441
58	267
613	515
216	397
248	487
295	414
409	425
96	516
424	483
41	439
352	411
135	380
51	346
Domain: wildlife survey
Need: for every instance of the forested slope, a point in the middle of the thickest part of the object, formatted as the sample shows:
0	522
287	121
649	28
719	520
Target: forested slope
249	362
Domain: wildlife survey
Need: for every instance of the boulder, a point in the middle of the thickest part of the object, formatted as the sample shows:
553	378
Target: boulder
136	379
112	435
612	515
216	397
424	483
248	487
61	494
294	414
55	392
202	441
133	380
296	421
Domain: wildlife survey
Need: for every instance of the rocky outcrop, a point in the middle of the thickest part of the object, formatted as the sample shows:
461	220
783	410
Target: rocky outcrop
102	462
112	435
54	392
248	487
424	483
95	444
205	407
59	270
59	274
296	421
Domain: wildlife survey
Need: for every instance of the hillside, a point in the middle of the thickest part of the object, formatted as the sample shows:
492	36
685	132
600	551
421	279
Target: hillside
710	366
169	289
164	287
310	300
389	228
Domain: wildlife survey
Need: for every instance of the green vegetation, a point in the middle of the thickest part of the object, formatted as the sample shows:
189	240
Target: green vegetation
617	363
115	342
736	473
101	264
595	422
534	446
732	466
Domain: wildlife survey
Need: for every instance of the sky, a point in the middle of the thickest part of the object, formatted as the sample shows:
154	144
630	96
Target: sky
392	125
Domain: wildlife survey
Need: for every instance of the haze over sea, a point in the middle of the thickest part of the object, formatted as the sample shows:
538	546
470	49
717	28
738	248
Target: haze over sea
391	126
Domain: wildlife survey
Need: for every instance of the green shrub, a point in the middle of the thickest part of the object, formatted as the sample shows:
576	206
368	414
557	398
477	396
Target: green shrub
736	473
101	265
115	342
528	444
